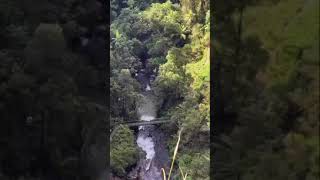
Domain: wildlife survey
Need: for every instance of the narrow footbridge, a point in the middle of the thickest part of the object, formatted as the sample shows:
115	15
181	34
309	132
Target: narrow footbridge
115	127
142	123
217	142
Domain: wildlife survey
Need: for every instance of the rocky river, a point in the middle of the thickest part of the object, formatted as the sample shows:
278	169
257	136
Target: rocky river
150	139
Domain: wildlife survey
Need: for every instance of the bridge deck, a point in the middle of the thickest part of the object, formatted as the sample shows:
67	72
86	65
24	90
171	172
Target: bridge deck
142	123
132	123
137	123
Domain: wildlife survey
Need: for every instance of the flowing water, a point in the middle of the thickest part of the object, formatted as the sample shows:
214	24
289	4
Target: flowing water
147	112
150	139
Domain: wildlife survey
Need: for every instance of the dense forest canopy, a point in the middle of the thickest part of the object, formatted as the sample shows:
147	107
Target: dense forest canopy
52	72
169	40
268	55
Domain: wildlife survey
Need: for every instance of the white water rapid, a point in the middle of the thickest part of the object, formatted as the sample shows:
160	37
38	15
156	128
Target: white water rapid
147	112
148	88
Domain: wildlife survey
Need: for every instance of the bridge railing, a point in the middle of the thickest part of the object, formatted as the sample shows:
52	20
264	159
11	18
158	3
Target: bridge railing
137	123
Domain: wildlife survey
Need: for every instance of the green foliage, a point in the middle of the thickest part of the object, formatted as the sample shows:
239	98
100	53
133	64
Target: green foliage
47	87
123	151
141	4
165	15
172	80
194	10
165	19
286	40
124	90
195	164
183	82
272	94
116	6
200	71
122	55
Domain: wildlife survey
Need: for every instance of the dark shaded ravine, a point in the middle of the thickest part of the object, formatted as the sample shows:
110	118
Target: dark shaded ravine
150	139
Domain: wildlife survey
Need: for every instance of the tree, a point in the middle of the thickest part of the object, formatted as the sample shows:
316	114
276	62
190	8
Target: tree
123	151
